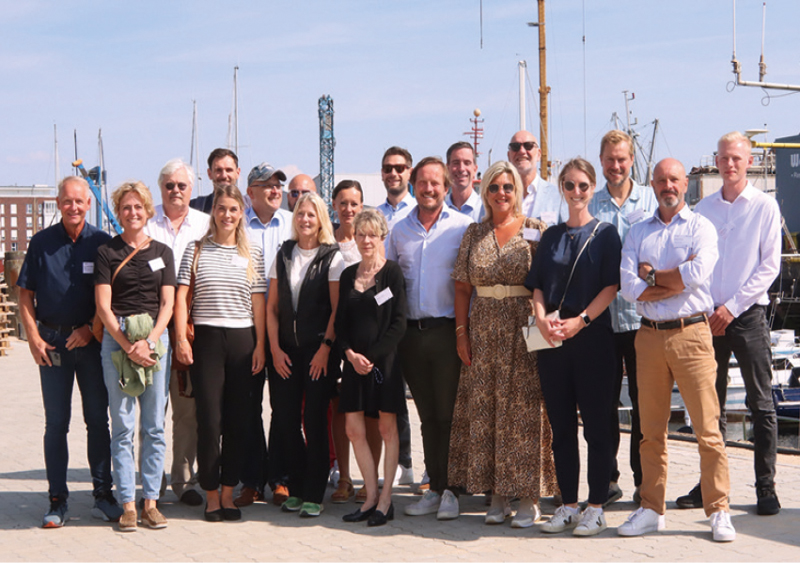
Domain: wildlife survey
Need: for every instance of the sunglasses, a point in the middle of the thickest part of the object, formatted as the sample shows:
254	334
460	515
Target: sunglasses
399	168
172	185
529	146
569	186
507	188
298	193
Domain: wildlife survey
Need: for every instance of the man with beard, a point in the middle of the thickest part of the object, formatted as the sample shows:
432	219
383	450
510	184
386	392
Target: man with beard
543	200
395	174
462	168
223	168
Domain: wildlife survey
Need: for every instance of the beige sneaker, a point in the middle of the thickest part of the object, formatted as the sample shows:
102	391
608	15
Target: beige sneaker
127	522
152	518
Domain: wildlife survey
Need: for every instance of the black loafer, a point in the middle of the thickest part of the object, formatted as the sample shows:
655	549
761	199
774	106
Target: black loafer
213	515
768	503
231	514
358	515
191	498
693	500
378	518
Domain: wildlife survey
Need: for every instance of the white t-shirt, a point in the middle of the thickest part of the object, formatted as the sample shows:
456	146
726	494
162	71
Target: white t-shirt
350	253
301	261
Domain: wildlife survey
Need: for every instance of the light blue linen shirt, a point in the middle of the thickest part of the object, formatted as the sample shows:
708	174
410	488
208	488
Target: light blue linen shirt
640	205
269	237
395	214
427	259
544	202
472	207
666	246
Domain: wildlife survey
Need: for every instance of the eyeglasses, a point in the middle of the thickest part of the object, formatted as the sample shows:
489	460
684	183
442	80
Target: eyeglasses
569	186
529	146
399	168
172	185
507	188
298	193
272	187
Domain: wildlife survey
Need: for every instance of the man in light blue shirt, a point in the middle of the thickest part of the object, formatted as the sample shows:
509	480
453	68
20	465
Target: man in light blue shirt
425	245
462	168
543	200
622	202
395	173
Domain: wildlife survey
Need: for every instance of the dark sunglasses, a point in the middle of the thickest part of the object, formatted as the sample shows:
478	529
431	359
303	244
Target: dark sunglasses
529	146
298	193
569	186
507	188
172	185
399	168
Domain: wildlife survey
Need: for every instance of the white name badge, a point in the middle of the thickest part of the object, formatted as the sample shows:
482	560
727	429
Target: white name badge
88	267
383	296
635	216
239	261
156	264
549	217
532	235
682	241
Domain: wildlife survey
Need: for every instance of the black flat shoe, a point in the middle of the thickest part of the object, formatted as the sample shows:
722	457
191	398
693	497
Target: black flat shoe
213	515
359	516
231	514
378	518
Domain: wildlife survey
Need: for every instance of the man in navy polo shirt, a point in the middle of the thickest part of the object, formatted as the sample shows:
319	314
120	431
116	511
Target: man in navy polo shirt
59	273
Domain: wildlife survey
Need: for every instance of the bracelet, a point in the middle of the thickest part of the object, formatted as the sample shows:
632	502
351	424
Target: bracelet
459	327
183	340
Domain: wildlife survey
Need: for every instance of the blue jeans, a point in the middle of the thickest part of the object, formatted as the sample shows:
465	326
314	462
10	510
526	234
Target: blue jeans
153	404
84	365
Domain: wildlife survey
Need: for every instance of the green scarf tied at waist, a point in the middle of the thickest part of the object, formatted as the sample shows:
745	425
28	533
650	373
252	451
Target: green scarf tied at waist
133	378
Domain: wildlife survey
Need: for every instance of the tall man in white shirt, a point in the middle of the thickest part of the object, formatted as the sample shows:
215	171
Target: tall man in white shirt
462	168
666	267
395	174
425	245
267	226
748	224
623	203
176	225
543	200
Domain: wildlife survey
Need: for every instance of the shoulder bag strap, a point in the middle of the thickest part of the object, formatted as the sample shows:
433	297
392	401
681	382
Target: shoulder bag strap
128	258
575	263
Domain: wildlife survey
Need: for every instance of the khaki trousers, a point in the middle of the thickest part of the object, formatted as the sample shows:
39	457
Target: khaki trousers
684	356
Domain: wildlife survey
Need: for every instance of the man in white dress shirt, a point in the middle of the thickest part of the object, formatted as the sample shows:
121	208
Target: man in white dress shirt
176	225
462	168
666	267
543	200
748	224
395	174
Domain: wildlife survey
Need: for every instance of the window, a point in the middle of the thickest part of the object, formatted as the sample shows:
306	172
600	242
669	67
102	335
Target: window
49	207
13	247
29	208
13	208
2	235
2	221
29	221
29	234
14	222
2	208
14	235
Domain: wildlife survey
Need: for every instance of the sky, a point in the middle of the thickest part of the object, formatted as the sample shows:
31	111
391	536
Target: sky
407	73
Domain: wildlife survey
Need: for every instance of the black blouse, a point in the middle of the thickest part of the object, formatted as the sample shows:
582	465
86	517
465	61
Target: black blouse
137	287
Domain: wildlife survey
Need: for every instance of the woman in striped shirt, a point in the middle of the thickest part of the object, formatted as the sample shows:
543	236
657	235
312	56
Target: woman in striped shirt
228	310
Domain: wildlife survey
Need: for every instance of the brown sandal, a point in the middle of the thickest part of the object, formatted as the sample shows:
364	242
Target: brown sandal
343	492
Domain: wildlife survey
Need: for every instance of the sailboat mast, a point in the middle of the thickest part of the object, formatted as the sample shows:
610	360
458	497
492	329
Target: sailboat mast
522	66
194	151
544	92
236	109
55	149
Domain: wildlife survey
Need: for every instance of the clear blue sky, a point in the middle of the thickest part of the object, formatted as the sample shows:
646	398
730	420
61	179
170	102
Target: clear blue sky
406	72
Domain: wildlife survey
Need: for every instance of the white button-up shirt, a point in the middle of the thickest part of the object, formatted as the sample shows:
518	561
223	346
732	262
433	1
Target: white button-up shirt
544	202
194	227
749	242
395	214
640	205
473	207
427	259
269	237
666	246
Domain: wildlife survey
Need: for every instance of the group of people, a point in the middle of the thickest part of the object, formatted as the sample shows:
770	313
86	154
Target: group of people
431	288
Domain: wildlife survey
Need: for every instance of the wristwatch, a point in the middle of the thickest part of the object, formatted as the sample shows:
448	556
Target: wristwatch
586	320
150	344
650	278
327	342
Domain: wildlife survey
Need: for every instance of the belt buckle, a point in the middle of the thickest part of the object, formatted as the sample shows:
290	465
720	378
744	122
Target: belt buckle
499	291
420	324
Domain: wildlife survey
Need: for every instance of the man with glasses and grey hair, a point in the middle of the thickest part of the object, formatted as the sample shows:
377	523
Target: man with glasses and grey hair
542	200
176	225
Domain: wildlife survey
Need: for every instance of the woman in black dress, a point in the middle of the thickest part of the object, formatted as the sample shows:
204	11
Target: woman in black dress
370	321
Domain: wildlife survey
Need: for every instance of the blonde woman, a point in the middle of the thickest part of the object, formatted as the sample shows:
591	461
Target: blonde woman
301	308
228	311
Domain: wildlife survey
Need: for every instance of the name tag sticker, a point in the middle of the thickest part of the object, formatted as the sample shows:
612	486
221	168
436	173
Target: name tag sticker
383	296
635	216
549	217
88	267
532	235
682	241
239	261
156	264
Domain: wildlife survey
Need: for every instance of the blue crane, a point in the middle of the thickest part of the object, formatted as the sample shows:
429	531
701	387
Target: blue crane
326	145
92	177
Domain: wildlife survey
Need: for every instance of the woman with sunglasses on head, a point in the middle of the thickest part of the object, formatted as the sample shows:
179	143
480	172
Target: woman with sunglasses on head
574	277
500	437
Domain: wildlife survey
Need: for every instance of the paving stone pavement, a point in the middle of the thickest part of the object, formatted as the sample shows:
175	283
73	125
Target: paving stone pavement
265	533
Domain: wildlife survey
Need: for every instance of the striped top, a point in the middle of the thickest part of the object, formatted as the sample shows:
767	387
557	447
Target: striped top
222	294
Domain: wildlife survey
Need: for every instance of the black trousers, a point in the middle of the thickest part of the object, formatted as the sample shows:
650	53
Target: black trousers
432	368
254	468
307	461
626	352
221	377
748	338
580	375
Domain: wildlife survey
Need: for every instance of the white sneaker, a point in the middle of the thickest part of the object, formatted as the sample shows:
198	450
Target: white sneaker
404	476
526	519
642	521
448	509
722	527
593	521
428	504
564	518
